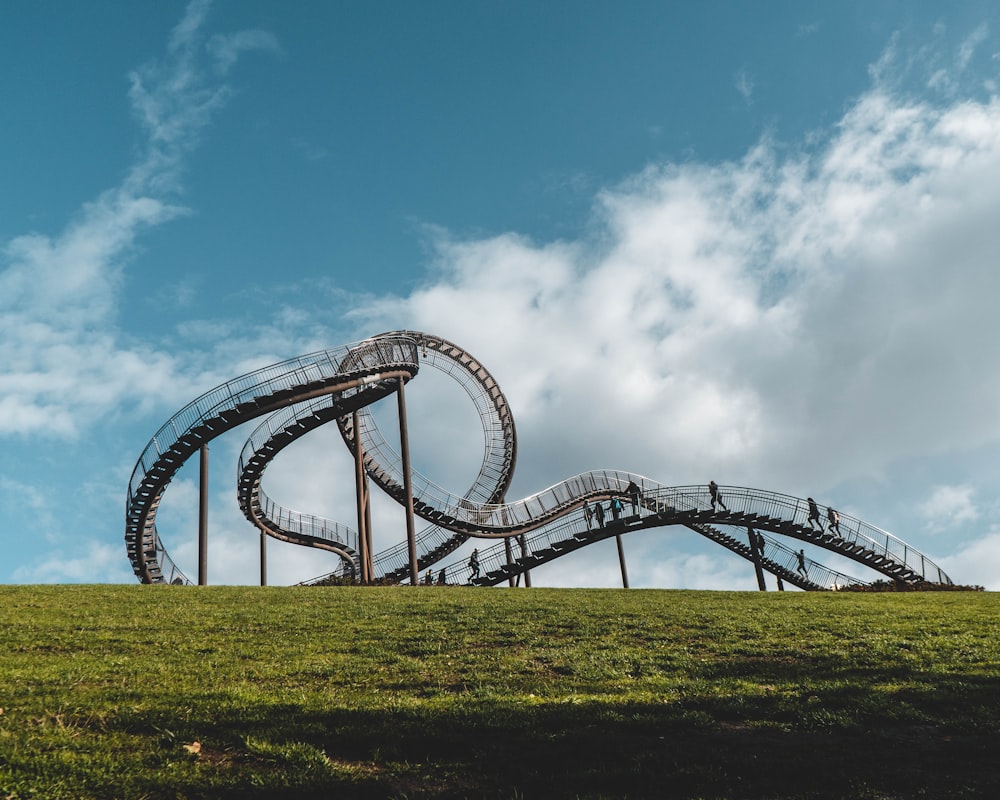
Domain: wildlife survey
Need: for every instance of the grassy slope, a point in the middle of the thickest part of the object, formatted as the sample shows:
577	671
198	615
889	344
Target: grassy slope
455	692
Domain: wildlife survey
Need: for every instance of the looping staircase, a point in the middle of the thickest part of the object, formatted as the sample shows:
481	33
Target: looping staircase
296	396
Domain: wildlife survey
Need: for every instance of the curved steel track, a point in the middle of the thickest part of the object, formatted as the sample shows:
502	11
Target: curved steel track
300	394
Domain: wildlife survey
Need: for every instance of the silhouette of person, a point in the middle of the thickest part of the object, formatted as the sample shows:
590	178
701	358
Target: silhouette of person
760	543
441	578
588	514
814	514
834	519
429	578
713	490
634	493
599	513
474	565
802	563
616	508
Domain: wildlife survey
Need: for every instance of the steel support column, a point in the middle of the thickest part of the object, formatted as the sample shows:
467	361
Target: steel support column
404	451
203	518
510	559
524	553
368	531
263	558
621	560
361	489
755	550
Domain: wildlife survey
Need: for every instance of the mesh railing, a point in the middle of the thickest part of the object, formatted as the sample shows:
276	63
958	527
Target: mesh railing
299	524
563	536
262	383
663	500
235	401
537	518
851	530
384	462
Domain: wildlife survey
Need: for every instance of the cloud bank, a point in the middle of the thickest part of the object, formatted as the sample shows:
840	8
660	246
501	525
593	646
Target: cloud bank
804	316
65	363
794	320
831	308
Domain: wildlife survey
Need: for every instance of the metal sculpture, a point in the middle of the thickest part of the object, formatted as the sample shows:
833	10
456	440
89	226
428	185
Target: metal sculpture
340	384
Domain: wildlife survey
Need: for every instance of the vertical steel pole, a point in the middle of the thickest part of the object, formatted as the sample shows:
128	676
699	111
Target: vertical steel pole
621	560
263	558
203	519
368	531
527	572
359	480
510	559
404	451
755	551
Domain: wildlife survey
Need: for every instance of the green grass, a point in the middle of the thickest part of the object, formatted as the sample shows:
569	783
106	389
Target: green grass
458	692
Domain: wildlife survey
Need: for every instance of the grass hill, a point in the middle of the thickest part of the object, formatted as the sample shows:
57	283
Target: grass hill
449	692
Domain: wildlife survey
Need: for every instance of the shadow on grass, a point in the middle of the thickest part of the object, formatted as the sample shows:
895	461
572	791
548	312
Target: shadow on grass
500	750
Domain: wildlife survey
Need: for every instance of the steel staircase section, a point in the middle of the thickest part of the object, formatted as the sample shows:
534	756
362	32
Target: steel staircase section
357	375
384	465
375	366
382	462
572	533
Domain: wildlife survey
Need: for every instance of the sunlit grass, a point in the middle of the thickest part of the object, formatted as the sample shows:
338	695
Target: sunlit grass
128	691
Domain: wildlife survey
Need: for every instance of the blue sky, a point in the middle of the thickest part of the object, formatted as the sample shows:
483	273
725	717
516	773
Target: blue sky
746	241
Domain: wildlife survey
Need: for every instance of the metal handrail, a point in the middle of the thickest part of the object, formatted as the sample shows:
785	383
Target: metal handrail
500	520
481	511
236	401
563	536
385	463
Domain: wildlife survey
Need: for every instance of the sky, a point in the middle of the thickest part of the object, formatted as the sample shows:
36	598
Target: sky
747	242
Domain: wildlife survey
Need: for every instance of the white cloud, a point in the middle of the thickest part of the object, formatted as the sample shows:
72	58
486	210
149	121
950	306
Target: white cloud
759	313
227	48
745	85
949	506
63	362
701	572
674	557
978	563
968	47
173	101
88	562
30	497
794	320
